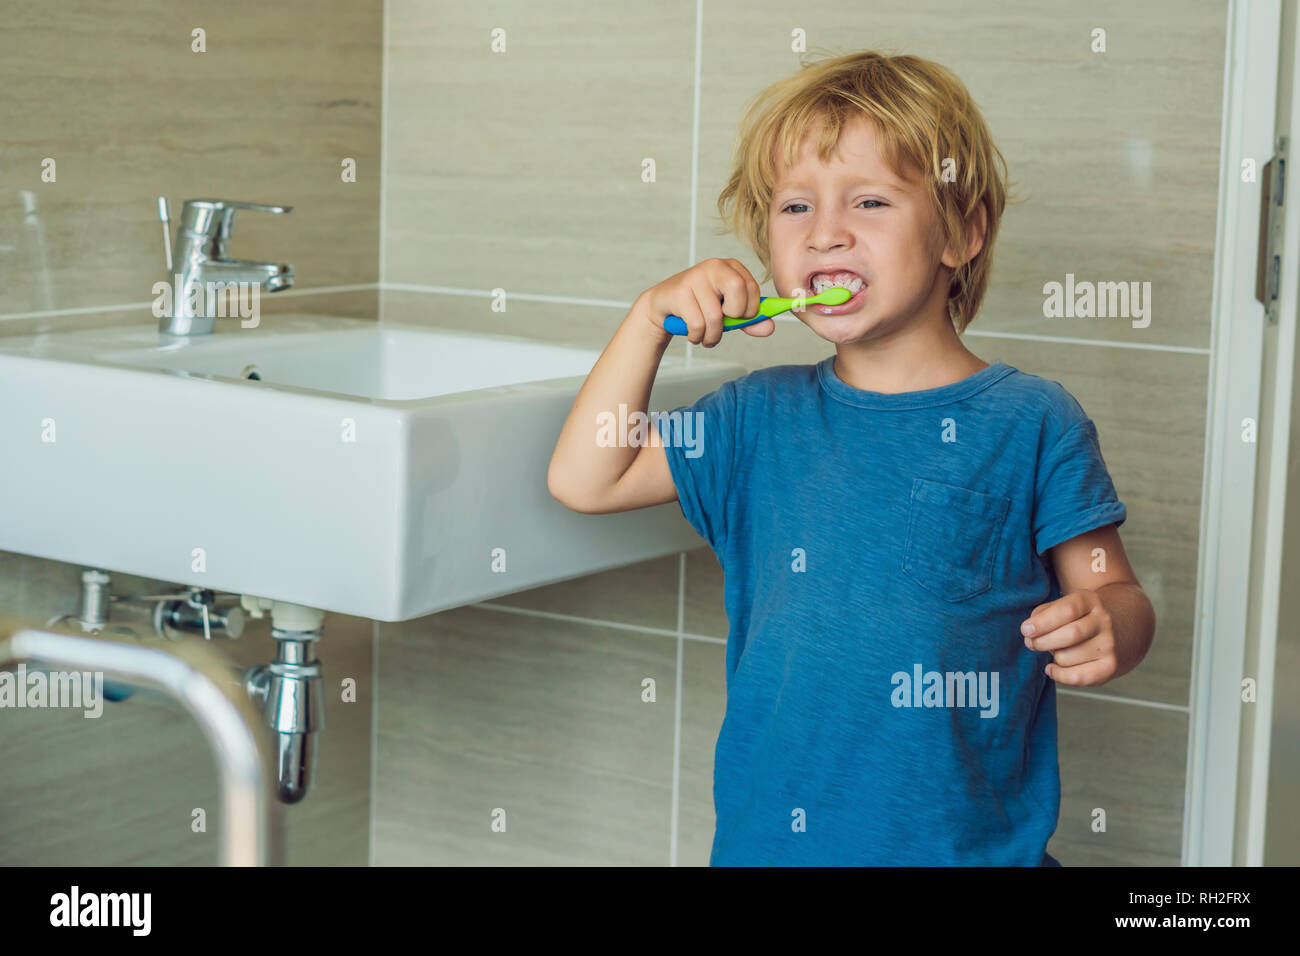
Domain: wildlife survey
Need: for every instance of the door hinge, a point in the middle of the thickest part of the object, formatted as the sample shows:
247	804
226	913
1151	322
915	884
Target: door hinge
1268	265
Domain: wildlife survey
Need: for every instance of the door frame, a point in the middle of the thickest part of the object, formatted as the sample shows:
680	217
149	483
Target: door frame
1236	614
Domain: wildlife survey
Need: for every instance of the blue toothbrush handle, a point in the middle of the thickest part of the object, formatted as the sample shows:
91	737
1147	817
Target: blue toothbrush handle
676	325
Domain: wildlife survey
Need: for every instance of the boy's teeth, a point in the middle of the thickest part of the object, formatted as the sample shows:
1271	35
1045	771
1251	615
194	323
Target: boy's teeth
846	280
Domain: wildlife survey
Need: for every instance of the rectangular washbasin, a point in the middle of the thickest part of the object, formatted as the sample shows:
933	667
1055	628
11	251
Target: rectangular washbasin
393	362
381	470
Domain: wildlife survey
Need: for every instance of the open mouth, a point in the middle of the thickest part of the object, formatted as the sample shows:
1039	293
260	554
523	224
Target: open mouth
843	278
846	307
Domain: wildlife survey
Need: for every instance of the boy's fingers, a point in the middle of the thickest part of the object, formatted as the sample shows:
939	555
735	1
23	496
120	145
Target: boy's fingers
710	310
761	329
1080	675
734	296
1067	635
747	295
755	293
1082	653
1049	617
693	319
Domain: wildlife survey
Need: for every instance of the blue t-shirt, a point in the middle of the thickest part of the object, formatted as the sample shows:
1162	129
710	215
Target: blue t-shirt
880	552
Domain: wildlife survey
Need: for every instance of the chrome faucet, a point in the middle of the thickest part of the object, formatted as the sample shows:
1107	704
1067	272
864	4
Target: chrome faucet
199	257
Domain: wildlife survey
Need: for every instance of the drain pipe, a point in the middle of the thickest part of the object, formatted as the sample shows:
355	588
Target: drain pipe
290	691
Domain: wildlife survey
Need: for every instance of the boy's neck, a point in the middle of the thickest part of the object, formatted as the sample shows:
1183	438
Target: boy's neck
909	363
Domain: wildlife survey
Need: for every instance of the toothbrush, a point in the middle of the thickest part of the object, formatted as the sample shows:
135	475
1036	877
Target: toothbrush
768	306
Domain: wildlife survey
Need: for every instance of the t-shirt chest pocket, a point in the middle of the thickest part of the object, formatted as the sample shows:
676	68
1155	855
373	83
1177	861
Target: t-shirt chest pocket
952	538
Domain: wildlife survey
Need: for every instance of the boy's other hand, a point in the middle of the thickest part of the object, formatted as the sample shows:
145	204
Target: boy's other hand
702	295
1077	629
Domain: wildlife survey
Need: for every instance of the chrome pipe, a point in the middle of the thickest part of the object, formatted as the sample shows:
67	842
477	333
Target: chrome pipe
241	774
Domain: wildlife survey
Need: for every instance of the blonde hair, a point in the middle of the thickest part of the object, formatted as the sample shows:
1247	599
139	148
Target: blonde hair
924	114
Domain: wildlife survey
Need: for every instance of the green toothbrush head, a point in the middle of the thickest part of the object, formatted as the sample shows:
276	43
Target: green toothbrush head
835	296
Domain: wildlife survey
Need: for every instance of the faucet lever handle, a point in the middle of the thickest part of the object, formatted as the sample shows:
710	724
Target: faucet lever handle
225	209
255	206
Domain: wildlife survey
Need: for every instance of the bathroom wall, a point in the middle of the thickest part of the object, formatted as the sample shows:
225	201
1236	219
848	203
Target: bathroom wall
117	98
522	170
526	176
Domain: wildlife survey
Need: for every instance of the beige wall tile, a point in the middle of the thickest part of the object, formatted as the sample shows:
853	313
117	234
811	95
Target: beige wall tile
580	325
527	172
283	94
704	703
644	594
705	610
1130	762
481	711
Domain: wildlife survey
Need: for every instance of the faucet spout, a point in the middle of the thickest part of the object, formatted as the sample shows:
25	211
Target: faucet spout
269	276
238	275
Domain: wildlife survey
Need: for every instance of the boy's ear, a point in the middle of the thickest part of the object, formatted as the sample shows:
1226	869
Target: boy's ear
976	229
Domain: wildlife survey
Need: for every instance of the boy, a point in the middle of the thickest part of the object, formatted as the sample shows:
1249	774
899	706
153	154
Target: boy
886	519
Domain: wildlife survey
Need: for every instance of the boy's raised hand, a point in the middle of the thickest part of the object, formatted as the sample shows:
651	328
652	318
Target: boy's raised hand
702	295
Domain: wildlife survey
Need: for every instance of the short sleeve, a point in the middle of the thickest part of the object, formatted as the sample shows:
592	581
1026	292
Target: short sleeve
1074	492
699	442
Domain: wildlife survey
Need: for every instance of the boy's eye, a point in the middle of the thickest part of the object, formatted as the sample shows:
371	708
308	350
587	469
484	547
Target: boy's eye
875	203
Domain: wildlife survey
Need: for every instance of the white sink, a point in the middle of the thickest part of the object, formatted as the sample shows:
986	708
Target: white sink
375	469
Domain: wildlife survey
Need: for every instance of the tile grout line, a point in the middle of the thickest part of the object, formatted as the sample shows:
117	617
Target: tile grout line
1103	343
709	639
690	351
621	304
374	627
693	199
383	167
374	731
1117	699
677	707
142	306
596	622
